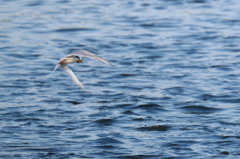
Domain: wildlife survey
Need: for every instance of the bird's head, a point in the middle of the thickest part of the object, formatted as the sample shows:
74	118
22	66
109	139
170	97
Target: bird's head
78	59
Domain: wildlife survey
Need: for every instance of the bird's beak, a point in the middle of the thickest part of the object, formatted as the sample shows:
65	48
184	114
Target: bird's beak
80	61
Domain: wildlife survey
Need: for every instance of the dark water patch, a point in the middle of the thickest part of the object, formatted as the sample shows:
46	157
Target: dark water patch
81	94
231	22
180	76
52	100
233	100
188	66
74	29
198	109
151	56
154	128
124	106
148	25
71	128
103	101
106	122
108	140
63	1
74	102
62	41
49	155
163	24
72	112
126	63
229	123
148	46
17	146
147	35
91	40
232	37
222	67
129	88
114	96
230	137
145	4
151	108
28	119
206	97
13	86
15	114
38	149
208	37
124	75
36	3
80	136
107	147
140	119
23	94
148	98
129	112
231	50
138	156
198	1
225	152
41	110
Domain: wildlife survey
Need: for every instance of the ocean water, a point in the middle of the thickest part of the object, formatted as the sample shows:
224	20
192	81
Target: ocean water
173	91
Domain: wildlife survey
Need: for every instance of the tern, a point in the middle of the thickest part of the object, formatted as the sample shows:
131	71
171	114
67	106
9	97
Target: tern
74	58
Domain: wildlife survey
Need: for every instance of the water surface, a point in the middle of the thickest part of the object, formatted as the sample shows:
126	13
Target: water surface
173	92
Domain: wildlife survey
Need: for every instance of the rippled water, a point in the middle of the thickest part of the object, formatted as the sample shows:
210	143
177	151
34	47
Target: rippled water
173	92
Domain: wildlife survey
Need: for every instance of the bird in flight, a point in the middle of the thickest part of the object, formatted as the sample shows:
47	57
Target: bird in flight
74	57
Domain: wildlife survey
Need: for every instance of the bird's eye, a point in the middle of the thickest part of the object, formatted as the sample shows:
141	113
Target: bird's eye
76	56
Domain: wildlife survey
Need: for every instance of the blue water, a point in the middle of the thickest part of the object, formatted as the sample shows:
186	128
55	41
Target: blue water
173	92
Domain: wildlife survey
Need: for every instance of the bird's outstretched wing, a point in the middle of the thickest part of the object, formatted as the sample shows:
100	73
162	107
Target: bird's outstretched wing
53	70
66	69
90	55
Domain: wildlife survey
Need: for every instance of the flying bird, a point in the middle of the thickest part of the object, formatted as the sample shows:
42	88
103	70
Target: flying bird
74	58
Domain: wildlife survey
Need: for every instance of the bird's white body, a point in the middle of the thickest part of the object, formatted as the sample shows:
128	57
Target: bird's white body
72	58
68	59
